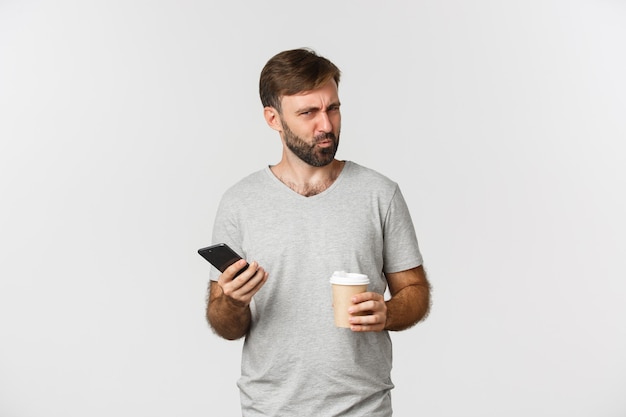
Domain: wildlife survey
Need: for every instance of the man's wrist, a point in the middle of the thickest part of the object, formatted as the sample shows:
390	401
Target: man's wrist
232	303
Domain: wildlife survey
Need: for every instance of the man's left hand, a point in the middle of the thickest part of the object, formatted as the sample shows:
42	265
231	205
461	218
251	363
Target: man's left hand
373	309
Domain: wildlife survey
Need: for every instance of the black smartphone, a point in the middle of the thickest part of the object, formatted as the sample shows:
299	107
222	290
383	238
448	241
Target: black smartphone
221	256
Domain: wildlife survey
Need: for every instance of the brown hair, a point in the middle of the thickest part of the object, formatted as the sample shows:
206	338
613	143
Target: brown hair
294	71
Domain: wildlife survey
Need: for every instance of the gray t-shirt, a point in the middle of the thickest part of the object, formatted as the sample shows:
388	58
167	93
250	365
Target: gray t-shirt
295	362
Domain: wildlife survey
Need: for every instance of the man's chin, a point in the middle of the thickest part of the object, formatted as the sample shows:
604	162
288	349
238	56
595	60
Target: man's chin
322	162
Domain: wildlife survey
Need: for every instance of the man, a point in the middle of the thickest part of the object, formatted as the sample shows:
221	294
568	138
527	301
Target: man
297	222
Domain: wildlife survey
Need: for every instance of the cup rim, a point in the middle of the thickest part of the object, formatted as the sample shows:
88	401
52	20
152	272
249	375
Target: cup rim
349	278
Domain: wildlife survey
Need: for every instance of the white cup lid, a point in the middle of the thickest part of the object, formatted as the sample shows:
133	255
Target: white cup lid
349	278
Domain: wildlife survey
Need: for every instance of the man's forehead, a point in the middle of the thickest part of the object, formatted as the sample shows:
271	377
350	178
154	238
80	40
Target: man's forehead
327	92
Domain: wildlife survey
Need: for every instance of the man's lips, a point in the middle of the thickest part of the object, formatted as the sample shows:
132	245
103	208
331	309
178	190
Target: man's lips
325	140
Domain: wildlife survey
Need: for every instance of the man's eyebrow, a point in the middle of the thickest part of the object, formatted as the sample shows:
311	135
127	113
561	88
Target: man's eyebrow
315	108
307	109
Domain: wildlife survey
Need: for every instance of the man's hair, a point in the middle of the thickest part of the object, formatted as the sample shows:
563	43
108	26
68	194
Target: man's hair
292	72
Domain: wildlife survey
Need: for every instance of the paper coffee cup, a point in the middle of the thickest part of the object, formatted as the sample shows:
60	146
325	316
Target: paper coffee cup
345	286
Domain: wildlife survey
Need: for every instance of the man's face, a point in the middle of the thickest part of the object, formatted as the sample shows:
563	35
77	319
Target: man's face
311	124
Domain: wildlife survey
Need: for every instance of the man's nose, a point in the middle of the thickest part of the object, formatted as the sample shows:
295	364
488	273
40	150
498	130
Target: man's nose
324	123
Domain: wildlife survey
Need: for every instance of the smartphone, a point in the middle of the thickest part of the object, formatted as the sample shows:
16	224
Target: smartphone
221	256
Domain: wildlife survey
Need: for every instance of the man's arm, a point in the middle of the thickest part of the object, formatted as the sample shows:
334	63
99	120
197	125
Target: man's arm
409	303
410	298
228	306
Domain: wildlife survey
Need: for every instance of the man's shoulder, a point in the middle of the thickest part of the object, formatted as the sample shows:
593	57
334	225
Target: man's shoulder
365	175
249	186
249	181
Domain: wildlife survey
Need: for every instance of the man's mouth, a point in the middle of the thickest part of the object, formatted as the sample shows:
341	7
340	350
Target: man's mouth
326	140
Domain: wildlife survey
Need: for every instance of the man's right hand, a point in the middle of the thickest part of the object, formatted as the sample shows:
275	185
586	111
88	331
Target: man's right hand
228	309
239	290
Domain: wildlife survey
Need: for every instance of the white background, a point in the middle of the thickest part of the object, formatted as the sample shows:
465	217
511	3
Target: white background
122	122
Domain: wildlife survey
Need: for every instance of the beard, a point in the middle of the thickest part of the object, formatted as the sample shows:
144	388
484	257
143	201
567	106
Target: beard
310	153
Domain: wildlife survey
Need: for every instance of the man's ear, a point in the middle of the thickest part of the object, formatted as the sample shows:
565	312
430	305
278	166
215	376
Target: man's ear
272	118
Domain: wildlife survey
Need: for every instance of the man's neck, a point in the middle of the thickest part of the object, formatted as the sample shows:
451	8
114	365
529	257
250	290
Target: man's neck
305	179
